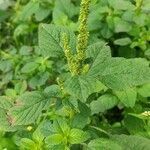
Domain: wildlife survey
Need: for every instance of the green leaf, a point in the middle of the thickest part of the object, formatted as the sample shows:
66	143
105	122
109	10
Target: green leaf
39	80
54	139
29	67
81	119
63	8
121	73
121	25
28	108
106	32
121	4
6	65
28	10
122	41
103	103
140	19
78	136
127	97
50	40
82	86
53	91
103	144
5	105
21	87
27	144
42	13
99	52
144	90
60	126
134	125
132	142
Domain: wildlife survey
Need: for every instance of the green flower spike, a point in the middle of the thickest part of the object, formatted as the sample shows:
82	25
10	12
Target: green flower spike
83	31
72	63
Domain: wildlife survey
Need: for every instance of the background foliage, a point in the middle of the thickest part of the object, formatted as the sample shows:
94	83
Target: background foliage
43	107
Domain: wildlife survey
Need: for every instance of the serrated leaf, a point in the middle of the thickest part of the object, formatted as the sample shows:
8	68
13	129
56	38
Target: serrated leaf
60	126
50	40
132	142
28	108
5	105
127	97
103	144
121	73
99	52
103	103
53	91
81	87
78	136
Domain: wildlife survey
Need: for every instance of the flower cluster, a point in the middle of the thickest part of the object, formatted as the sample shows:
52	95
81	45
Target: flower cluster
75	62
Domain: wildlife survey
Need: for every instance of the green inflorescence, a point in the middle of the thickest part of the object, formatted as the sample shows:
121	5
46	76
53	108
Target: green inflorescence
83	30
75	62
72	63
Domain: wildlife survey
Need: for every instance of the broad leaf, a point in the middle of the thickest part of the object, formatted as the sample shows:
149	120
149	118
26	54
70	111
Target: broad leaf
29	67
121	73
39	79
82	86
53	91
144	90
103	144
78	136
122	41
63	10
28	108
99	52
5	105
121	25
132	142
103	103
135	125
27	144
121	4
81	119
50	40
127	97
54	139
28	10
